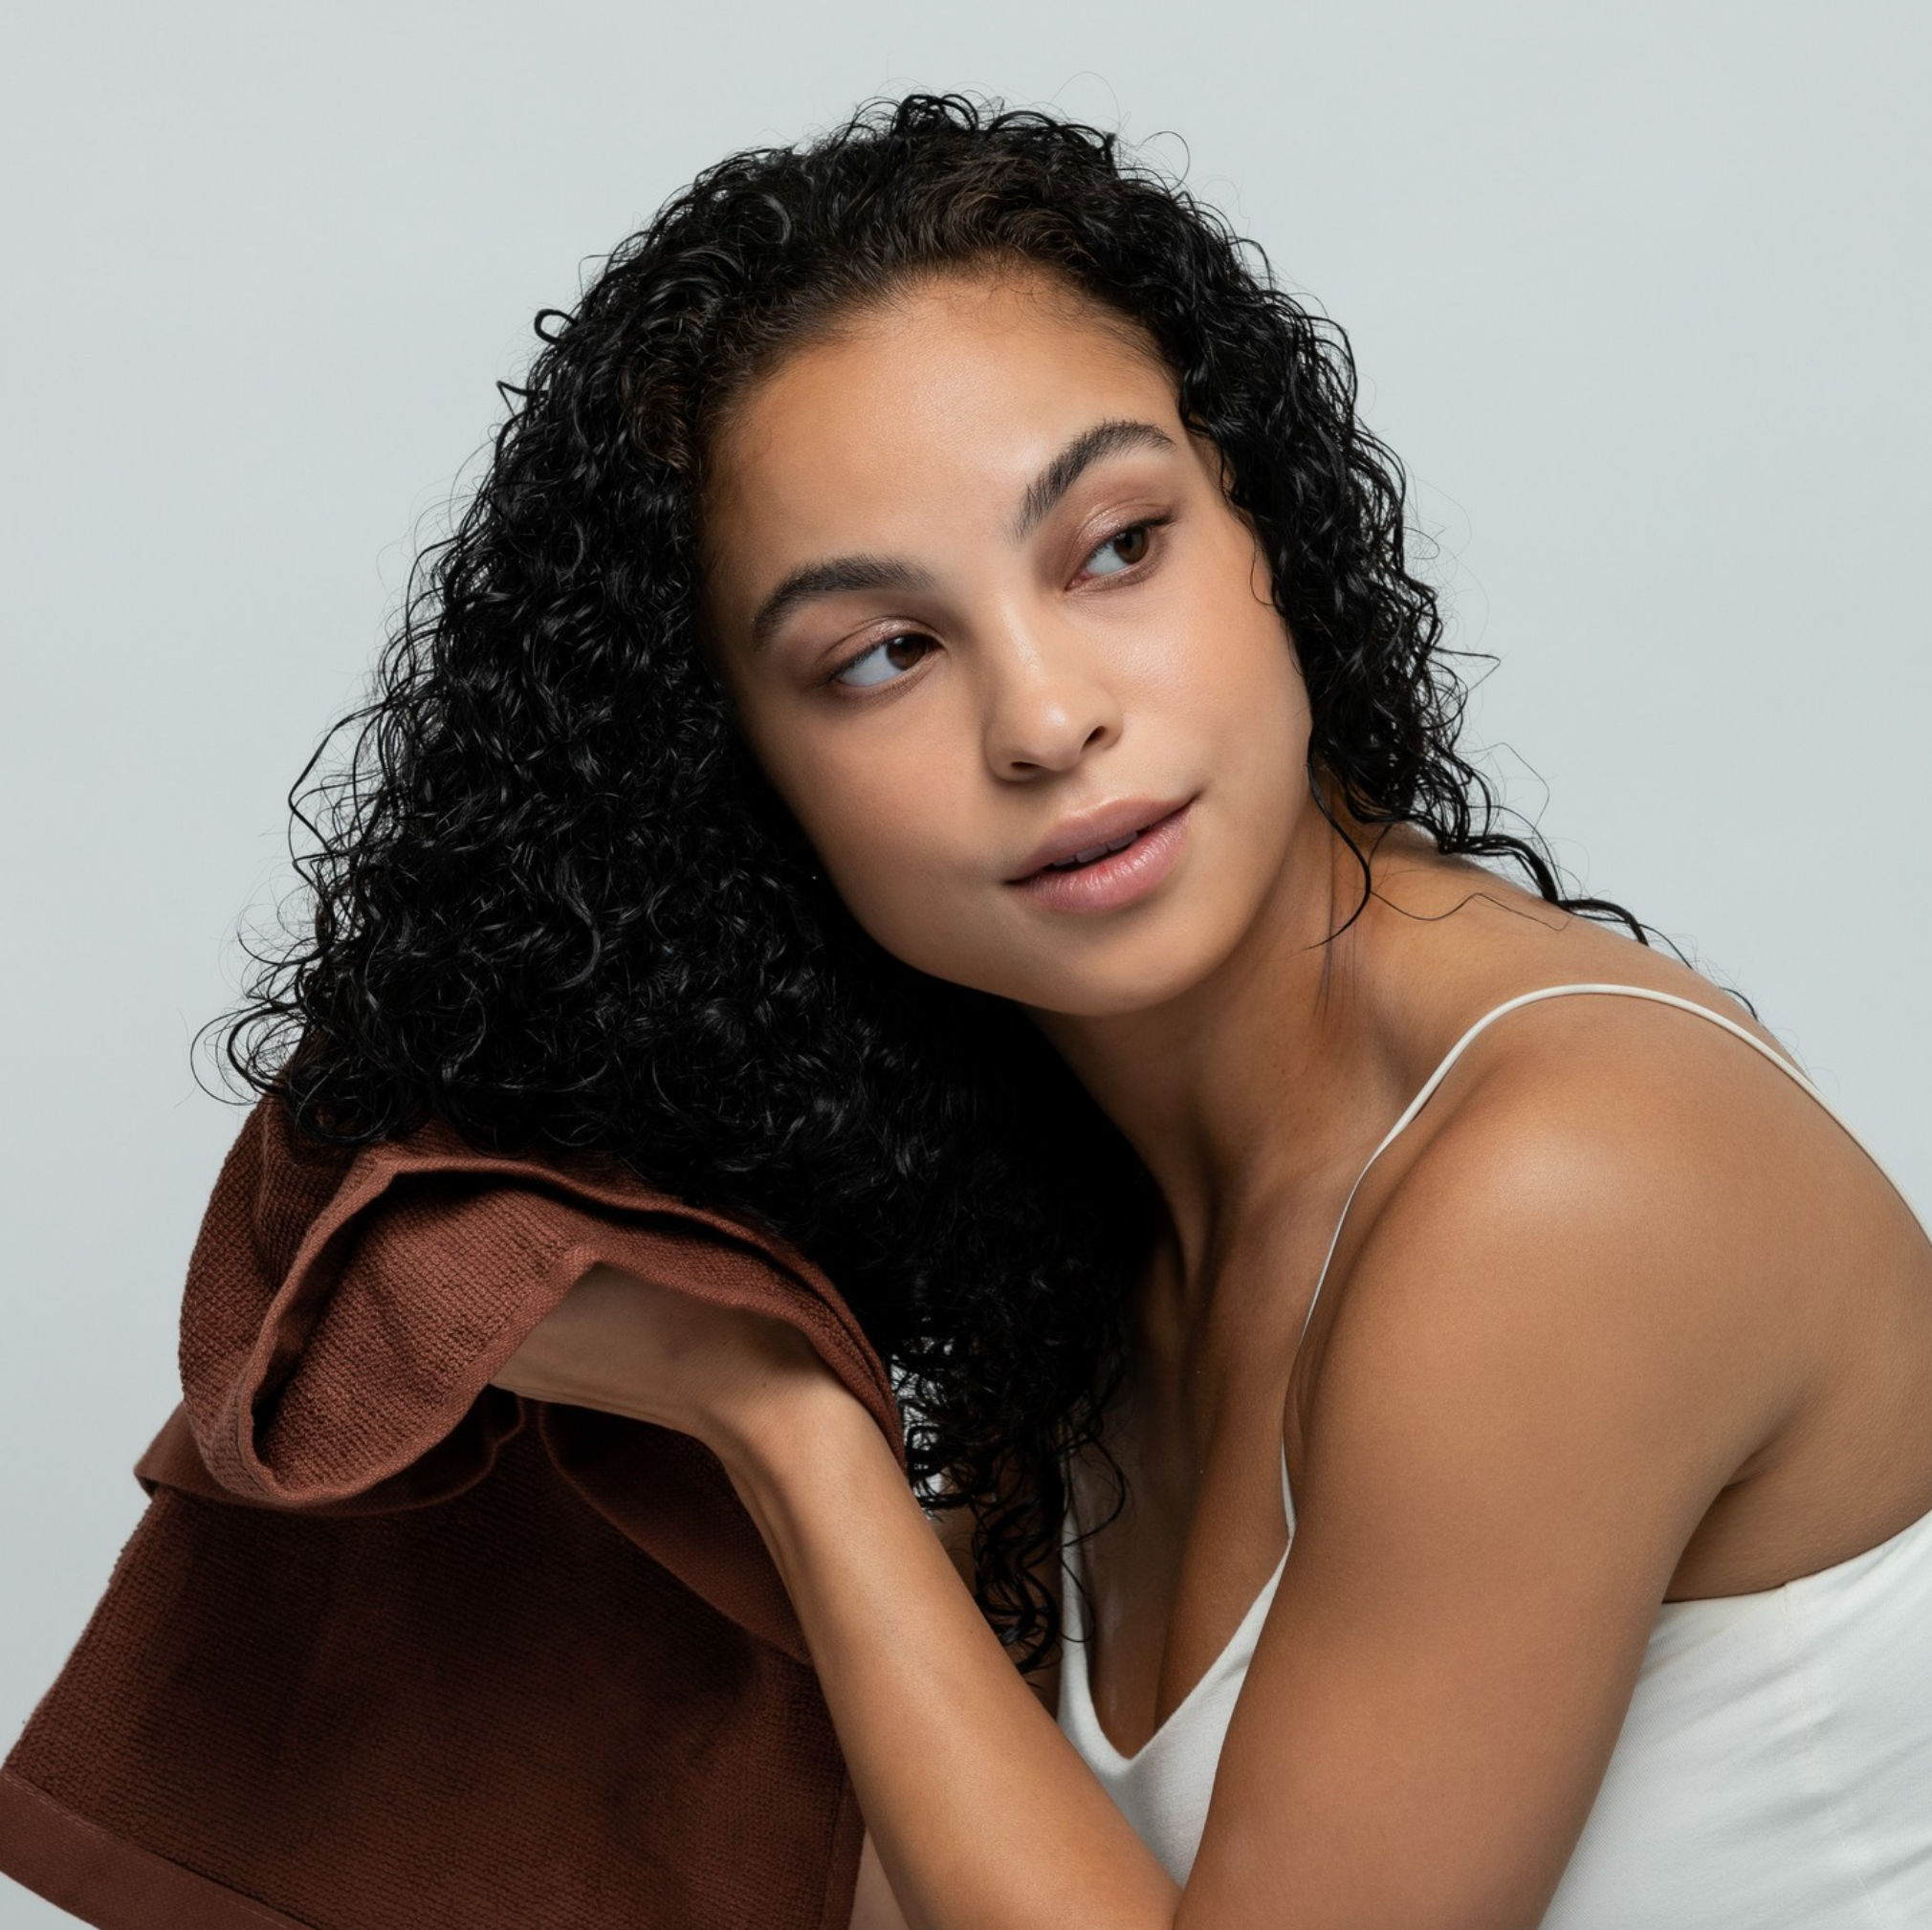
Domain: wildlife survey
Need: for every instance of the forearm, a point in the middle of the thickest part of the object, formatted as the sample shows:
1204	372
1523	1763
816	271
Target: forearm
984	1816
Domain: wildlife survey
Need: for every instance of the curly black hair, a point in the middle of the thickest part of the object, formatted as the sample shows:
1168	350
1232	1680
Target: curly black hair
556	904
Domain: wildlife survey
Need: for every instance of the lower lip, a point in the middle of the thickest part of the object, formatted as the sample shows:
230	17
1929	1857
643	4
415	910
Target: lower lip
1122	878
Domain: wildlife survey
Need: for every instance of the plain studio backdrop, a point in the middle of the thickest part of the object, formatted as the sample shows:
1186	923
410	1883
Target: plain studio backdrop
1637	294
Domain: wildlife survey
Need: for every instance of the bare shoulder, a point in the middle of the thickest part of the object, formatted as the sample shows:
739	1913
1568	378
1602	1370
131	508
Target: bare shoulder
1625	1110
1619	1202
1649	1248
1571	1310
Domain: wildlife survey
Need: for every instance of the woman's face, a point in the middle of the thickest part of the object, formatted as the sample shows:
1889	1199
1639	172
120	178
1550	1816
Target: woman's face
977	593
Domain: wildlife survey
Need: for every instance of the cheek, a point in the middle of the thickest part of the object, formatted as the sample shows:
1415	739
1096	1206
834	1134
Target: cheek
1268	748
1239	683
885	829
917	868
880	833
874	850
1255	718
901	900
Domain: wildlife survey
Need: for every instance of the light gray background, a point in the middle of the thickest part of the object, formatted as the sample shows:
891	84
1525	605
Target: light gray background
1637	292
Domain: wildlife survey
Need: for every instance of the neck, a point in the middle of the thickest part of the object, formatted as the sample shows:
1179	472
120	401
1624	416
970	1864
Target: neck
1247	1089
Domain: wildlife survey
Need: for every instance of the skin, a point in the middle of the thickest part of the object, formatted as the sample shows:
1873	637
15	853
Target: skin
1624	1317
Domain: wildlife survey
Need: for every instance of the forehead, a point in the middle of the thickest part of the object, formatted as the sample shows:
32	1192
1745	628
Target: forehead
952	392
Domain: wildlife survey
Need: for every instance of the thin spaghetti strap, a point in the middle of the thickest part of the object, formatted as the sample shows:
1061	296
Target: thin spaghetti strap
1508	1005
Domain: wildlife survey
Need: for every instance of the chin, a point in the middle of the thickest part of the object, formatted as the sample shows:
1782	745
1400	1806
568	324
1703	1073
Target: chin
1087	968
1138	979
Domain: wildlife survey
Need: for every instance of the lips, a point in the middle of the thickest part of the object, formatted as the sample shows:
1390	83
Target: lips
1090	834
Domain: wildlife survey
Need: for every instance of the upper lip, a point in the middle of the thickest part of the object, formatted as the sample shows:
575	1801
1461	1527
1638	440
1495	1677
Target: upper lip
1100	826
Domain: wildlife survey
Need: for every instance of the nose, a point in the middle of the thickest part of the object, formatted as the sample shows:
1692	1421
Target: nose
1047	702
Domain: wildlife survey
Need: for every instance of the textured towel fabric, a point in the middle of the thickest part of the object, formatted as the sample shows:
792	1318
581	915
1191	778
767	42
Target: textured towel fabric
393	1649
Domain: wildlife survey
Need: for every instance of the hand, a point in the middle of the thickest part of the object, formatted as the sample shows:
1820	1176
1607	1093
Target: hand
627	1346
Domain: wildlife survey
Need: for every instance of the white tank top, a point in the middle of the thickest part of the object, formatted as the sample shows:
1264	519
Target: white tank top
1773	1772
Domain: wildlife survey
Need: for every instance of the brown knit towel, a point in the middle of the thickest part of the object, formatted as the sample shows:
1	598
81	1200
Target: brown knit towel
393	1649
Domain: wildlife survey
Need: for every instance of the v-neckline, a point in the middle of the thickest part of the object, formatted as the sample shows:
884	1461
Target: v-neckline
1247	1631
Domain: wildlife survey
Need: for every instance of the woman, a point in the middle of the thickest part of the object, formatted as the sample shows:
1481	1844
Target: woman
927	738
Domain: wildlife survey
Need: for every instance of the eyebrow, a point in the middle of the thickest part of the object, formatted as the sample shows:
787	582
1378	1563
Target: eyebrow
837	575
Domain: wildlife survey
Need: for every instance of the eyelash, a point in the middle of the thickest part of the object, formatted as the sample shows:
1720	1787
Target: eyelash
1133	570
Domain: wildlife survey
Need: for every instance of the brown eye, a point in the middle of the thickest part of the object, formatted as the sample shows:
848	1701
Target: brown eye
1130	547
876	664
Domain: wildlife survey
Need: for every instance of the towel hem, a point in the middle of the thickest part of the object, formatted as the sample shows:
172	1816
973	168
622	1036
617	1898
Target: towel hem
106	1880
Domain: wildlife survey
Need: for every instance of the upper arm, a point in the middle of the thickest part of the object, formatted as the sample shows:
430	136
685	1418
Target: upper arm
1534	1386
